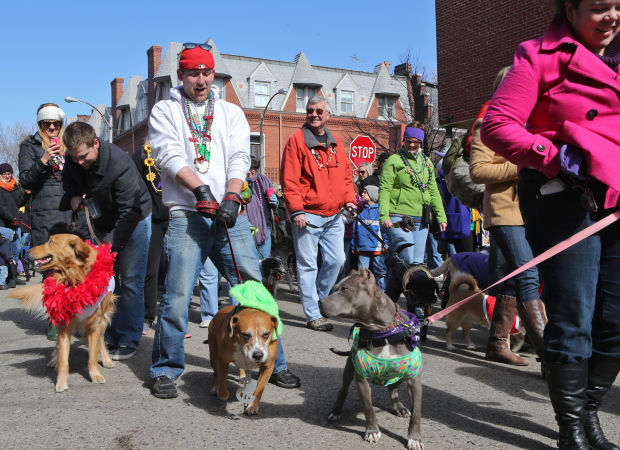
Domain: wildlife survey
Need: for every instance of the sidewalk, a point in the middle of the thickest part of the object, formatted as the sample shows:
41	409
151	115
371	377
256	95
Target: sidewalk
468	403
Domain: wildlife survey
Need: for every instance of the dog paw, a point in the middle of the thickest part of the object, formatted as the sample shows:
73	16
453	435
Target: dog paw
372	436
401	410
97	378
333	416
415	444
107	364
251	410
61	386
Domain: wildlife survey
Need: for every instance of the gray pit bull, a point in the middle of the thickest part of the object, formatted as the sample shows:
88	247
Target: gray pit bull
358	299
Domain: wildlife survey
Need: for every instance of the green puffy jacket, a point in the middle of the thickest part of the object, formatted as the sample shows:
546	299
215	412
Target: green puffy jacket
398	194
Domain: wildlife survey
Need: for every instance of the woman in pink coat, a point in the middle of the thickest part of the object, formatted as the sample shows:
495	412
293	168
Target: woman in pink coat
557	116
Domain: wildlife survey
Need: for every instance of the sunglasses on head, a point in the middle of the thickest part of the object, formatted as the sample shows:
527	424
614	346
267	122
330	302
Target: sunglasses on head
46	123
319	111
191	45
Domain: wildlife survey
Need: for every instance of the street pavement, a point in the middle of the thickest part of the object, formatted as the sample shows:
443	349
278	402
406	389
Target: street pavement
468	403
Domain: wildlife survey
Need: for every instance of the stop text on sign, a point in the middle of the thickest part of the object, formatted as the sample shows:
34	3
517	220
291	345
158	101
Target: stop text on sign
362	150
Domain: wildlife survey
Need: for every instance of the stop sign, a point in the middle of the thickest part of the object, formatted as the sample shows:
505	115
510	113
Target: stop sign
362	151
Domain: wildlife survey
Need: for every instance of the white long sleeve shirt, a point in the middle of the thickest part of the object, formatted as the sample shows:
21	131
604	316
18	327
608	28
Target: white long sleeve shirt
169	136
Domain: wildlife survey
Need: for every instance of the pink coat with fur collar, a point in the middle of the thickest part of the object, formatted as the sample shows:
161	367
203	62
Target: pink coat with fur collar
558	92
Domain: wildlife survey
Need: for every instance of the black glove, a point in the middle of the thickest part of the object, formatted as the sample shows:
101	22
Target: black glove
229	208
206	205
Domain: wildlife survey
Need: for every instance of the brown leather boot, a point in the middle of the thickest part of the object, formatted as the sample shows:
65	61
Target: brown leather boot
534	319
498	348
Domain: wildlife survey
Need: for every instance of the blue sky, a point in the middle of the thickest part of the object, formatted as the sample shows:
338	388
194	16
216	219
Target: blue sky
50	50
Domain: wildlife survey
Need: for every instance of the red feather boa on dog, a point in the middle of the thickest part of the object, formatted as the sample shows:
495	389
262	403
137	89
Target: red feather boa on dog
62	302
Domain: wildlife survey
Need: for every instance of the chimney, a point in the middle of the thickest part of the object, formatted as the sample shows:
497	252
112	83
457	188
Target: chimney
116	86
403	69
154	60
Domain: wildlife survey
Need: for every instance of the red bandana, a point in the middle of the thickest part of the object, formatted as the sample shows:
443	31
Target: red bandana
62	303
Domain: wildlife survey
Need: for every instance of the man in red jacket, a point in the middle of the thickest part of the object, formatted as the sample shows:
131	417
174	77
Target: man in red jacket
316	181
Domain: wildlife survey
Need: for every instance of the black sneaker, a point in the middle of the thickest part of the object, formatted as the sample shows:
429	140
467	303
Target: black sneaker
121	353
164	387
285	379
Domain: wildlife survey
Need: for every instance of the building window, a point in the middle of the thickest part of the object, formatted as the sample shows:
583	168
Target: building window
142	109
125	119
387	107
304	93
261	93
255	145
163	90
220	83
346	102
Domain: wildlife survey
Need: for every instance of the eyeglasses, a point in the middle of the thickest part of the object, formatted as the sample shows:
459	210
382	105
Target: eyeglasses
46	124
191	45
319	111
414	142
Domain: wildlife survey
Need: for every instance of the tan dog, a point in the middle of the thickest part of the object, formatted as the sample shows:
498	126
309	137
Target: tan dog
471	313
71	260
242	336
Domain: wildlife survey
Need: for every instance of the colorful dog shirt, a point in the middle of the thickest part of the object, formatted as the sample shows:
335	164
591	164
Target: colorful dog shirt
382	371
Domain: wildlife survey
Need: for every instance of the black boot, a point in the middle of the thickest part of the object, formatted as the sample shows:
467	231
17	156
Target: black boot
602	372
567	389
12	280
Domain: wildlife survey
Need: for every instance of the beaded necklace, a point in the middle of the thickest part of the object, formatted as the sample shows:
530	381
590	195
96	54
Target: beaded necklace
201	132
317	156
153	174
414	174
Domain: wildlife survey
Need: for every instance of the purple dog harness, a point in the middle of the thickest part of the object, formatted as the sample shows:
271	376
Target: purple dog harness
386	371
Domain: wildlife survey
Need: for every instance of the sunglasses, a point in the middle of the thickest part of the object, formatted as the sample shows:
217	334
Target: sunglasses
319	111
191	45
46	124
411	141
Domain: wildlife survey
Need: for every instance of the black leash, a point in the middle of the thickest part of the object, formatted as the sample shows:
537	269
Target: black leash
392	252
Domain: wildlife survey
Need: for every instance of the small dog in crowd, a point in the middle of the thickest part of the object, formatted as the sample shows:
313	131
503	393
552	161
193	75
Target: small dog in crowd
473	263
420	290
478	311
385	351
272	270
77	269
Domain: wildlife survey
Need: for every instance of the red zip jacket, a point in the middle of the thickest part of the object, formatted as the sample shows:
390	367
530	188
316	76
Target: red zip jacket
306	186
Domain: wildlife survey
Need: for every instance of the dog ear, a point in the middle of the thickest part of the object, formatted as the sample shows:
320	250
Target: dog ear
82	249
274	320
231	325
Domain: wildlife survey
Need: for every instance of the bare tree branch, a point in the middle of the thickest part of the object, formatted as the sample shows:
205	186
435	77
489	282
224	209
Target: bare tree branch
11	137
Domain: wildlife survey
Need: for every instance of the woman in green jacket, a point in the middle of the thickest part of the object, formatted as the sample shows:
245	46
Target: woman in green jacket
407	184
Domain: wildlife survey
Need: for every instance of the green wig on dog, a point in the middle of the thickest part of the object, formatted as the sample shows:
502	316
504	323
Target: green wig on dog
253	294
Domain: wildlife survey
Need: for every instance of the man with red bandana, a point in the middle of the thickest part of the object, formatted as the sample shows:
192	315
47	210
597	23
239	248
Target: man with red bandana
202	147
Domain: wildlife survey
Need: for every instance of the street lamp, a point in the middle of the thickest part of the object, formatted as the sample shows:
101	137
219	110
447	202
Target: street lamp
262	138
73	100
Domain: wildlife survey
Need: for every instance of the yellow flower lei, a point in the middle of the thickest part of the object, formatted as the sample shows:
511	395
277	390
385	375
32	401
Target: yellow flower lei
149	162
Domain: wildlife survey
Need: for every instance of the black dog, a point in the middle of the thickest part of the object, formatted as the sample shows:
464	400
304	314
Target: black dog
420	290
272	269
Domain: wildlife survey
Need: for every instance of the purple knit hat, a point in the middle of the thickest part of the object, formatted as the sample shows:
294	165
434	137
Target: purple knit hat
416	133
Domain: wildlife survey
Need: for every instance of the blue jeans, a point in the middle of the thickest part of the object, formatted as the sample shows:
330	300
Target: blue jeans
15	238
511	241
433	257
326	233
191	240
209	280
412	255
376	265
126	327
264	249
4	273
582	283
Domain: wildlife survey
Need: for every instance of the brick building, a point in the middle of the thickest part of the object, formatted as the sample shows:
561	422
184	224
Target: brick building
377	104
476	38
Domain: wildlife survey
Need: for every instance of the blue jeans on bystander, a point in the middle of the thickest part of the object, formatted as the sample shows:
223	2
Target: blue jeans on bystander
414	254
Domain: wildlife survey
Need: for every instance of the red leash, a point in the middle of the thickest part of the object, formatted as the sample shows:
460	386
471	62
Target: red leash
594	228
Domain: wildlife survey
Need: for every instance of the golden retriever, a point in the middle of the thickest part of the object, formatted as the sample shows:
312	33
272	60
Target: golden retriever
71	259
